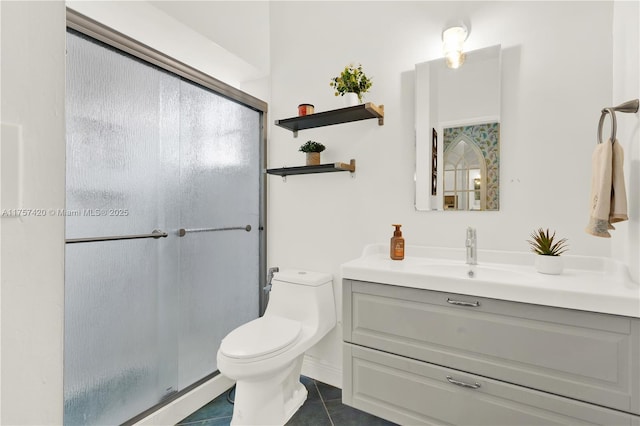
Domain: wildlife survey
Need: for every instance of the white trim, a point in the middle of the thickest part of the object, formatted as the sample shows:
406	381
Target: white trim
321	371
188	403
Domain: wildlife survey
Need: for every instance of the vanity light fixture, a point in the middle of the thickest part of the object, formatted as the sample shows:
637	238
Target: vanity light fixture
452	43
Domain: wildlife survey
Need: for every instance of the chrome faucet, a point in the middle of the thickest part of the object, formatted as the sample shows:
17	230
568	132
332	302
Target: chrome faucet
471	245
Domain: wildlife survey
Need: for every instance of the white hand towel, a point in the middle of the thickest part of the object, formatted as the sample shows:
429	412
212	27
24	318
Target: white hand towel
608	198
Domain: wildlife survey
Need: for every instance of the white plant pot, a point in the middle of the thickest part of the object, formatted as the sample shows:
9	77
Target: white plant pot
350	99
551	265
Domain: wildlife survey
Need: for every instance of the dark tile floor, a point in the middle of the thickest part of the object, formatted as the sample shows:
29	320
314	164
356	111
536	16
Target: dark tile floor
323	407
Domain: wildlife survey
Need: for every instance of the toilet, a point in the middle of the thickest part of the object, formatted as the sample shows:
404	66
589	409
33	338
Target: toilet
264	356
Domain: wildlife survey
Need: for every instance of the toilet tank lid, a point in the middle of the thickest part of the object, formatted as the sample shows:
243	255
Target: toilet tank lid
296	276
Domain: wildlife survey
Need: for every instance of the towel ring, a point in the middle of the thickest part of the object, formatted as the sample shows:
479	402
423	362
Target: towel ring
611	112
631	106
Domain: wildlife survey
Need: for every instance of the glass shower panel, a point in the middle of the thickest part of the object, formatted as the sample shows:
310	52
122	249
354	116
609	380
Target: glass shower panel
122	128
220	181
121	297
116	360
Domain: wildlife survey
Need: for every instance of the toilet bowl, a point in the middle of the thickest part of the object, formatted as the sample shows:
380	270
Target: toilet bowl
264	356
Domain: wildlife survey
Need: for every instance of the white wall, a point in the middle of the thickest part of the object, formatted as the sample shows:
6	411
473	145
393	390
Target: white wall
239	27
557	76
626	86
32	247
178	30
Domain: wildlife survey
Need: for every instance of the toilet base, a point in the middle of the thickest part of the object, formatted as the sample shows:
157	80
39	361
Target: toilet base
270	401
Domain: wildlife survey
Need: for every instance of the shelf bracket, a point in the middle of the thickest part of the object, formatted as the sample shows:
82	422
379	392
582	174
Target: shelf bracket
381	118
351	167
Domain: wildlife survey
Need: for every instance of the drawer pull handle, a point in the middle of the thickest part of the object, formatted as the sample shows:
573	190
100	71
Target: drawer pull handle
463	384
461	303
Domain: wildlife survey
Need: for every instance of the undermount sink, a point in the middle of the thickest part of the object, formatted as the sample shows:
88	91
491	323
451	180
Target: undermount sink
588	283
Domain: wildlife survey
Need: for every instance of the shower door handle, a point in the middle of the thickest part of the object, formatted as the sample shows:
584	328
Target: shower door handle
182	231
156	234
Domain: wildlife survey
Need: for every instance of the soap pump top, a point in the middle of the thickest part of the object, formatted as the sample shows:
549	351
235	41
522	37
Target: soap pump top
397	244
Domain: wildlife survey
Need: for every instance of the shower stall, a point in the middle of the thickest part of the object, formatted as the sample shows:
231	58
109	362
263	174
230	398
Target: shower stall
165	237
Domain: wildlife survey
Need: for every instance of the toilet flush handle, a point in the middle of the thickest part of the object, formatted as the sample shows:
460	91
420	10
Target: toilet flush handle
270	273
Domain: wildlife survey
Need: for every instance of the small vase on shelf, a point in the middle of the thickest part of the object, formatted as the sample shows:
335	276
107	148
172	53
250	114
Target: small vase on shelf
313	150
313	158
351	99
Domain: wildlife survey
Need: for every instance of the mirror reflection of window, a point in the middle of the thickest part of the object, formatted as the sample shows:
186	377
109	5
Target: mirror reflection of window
470	178
463	164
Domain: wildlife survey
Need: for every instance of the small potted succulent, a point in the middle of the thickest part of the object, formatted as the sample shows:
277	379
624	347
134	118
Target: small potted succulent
548	249
313	150
351	83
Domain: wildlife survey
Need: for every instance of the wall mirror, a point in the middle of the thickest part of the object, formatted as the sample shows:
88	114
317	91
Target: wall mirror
458	133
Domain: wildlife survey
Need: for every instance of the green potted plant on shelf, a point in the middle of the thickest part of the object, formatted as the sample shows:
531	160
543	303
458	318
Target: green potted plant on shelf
313	150
352	83
548	249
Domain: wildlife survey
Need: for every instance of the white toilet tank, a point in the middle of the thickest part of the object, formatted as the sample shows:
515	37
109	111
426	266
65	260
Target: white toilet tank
304	296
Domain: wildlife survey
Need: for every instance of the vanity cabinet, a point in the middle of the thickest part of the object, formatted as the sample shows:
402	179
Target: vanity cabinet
417	356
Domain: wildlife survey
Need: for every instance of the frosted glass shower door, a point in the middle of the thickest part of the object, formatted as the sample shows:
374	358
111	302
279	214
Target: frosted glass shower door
220	187
163	231
121	296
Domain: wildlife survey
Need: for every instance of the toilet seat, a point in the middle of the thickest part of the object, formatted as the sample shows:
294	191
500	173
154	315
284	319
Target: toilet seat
261	338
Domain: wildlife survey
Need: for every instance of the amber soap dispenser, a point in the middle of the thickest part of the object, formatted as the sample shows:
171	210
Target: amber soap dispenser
397	244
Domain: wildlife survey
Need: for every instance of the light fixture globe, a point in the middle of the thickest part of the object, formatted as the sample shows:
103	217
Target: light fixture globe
452	44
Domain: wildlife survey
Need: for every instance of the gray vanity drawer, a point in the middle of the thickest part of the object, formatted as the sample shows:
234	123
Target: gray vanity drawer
412	392
582	355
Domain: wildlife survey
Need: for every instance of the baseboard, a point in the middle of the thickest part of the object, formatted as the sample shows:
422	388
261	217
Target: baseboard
188	403
321	371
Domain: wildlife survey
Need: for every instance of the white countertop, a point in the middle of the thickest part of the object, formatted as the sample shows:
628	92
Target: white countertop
587	283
